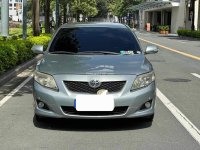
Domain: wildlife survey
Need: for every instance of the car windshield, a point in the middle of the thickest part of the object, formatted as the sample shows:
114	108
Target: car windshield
100	40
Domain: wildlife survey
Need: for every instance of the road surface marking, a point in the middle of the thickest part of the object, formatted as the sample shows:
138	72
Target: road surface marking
173	50
196	75
186	123
5	99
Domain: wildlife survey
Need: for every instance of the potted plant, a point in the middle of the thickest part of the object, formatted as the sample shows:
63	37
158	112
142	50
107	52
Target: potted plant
166	29
161	29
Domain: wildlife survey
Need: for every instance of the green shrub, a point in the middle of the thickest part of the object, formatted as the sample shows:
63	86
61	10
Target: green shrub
188	33
14	37
23	50
8	56
14	52
40	40
1	38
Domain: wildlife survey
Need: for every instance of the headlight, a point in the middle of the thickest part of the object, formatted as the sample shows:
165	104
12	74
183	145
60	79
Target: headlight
143	80
45	80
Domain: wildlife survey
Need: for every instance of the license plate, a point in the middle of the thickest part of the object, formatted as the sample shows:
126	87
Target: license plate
94	103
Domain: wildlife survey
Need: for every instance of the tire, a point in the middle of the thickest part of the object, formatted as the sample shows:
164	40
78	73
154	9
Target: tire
149	118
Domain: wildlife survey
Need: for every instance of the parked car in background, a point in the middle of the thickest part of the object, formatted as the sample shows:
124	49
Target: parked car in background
94	71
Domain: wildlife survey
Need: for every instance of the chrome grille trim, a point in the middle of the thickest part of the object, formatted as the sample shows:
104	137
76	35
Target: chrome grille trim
83	87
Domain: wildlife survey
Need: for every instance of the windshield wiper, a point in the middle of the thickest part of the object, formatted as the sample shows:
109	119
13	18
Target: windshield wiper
99	52
62	52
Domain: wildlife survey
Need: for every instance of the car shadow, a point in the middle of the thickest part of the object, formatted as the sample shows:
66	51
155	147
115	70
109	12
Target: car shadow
92	125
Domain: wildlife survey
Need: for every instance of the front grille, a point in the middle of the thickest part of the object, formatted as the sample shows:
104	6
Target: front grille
83	87
72	111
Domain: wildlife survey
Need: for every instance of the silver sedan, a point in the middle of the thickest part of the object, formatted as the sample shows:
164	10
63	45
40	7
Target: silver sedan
94	71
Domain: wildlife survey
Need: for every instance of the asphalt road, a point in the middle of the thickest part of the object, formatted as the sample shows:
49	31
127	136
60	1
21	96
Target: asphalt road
173	72
19	130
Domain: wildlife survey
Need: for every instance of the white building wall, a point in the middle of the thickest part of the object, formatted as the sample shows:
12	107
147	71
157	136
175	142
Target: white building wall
198	16
177	20
179	16
13	13
197	12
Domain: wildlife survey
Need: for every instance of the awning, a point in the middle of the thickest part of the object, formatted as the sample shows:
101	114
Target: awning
155	5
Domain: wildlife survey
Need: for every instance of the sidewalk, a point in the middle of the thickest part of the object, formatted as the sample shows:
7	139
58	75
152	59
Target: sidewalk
155	33
166	35
183	44
5	77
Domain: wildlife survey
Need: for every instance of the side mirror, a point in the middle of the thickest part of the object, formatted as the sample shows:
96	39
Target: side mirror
38	49
151	49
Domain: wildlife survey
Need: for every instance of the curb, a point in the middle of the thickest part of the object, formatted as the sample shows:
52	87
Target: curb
5	77
189	38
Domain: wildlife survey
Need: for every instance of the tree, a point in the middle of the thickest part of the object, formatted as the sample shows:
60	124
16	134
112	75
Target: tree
84	7
120	7
47	16
63	10
102	7
36	17
29	10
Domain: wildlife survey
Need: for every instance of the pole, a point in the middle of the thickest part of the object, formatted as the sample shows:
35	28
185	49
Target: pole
24	19
5	18
57	14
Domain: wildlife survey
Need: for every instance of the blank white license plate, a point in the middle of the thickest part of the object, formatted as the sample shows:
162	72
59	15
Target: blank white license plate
94	103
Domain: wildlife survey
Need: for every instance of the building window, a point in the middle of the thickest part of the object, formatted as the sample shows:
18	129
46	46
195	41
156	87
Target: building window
15	4
10	5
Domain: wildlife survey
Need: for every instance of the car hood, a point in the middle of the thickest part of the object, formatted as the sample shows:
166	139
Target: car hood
93	64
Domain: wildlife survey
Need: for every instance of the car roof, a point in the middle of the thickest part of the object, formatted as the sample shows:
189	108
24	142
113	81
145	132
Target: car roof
94	24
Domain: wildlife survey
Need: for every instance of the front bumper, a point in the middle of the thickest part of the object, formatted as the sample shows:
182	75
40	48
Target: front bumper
134	101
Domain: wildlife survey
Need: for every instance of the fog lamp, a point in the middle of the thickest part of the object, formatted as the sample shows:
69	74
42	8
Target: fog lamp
40	104
147	104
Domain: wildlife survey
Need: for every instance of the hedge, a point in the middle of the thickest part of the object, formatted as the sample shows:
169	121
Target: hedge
41	40
189	33
14	52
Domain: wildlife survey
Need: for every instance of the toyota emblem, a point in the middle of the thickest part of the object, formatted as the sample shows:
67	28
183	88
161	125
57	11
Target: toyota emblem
94	84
